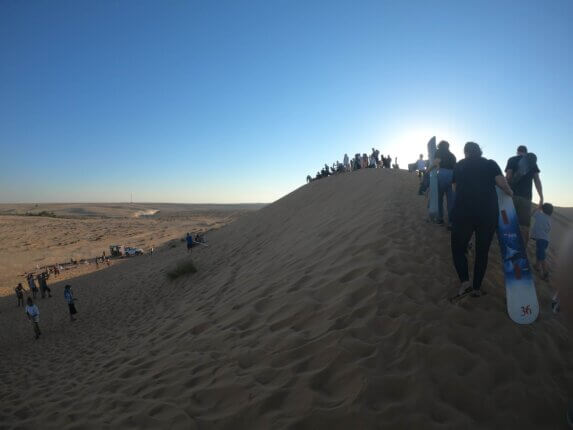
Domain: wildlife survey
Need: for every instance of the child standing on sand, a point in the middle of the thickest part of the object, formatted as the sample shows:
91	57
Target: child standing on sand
33	314
69	296
540	234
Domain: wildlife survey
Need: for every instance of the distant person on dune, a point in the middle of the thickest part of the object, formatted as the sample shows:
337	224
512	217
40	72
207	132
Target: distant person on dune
19	294
444	162
43	282
357	161
521	172
421	166
33	314
475	211
189	240
32	285
69	296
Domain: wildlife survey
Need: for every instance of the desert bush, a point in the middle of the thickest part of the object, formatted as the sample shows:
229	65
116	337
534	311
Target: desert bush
182	268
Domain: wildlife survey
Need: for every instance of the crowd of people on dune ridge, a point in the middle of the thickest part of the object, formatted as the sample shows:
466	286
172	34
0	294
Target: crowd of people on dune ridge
373	161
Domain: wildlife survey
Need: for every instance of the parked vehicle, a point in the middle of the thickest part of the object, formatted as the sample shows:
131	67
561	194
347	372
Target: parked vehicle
133	251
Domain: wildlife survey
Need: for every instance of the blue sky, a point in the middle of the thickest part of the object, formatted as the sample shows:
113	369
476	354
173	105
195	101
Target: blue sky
237	101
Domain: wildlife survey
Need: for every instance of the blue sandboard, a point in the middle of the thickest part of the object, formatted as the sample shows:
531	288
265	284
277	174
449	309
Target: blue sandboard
521	297
433	205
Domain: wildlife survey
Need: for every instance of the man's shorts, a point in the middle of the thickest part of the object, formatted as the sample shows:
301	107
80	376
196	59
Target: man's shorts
540	248
523	210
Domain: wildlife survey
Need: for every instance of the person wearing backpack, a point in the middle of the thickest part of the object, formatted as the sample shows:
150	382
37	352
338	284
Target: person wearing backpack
444	163
521	172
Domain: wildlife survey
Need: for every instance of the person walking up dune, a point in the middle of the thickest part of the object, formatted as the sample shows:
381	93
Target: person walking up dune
33	314
521	172
69	296
20	294
475	211
32	285
444	162
43	281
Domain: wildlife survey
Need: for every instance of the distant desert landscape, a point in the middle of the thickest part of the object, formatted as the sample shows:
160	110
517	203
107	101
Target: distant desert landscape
36	235
325	309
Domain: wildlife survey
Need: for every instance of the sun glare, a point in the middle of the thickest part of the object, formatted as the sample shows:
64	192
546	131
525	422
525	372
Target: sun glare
407	145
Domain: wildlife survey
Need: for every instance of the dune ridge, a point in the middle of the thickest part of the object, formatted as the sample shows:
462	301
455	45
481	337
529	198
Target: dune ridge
326	309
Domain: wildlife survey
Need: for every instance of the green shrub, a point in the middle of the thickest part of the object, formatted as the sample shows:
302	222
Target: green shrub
182	268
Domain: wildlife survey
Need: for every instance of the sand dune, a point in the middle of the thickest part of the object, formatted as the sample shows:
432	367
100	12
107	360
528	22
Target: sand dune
326	309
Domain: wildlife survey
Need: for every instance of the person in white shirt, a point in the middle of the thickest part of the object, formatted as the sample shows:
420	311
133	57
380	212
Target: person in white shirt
33	314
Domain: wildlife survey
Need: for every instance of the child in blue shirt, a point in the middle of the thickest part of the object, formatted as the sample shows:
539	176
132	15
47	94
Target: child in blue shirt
540	233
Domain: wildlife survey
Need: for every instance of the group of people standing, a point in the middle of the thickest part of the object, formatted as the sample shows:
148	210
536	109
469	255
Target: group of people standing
364	161
469	188
32	310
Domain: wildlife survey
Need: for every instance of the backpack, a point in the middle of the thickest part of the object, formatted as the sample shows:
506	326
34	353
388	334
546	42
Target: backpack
524	166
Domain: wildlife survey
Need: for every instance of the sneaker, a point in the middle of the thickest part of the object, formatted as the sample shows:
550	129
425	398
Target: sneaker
464	288
476	293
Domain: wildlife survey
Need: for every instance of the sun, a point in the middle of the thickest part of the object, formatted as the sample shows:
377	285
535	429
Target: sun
408	143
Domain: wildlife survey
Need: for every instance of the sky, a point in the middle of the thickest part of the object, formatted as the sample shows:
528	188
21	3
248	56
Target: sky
237	101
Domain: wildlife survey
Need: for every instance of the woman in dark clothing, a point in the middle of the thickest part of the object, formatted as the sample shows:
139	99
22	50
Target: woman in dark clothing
475	211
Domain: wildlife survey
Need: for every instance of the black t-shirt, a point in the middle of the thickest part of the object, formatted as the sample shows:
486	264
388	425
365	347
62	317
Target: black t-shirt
475	189
447	159
521	184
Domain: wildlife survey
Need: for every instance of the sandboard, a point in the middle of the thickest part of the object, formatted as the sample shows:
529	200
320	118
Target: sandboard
521	297
433	204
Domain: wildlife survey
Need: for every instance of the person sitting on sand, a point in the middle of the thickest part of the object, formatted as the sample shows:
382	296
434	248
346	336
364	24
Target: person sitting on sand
69	296
33	314
32	285
475	211
20	294
540	234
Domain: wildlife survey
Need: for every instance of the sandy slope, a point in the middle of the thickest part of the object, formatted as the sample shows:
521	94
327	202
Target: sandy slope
324	310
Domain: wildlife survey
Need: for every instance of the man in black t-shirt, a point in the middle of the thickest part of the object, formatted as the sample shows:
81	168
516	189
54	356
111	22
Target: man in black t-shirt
475	211
521	172
444	161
